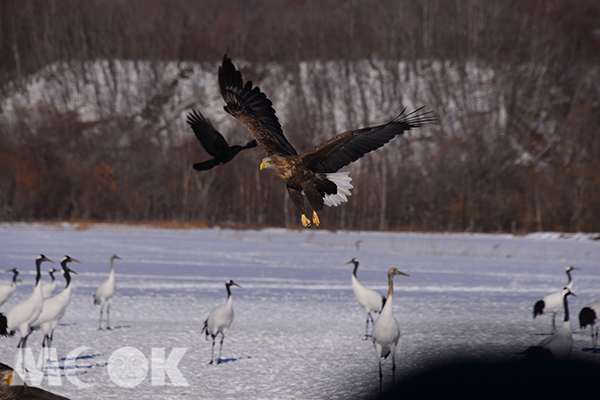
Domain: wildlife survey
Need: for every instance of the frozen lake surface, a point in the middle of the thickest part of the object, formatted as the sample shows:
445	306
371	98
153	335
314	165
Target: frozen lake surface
298	330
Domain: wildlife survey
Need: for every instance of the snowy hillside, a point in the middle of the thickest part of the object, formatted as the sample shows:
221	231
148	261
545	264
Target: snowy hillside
298	330
338	95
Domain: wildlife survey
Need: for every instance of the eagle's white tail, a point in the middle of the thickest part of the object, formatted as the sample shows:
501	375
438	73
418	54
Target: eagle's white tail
342	181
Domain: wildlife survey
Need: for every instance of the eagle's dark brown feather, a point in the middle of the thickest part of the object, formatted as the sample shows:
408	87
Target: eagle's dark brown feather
349	146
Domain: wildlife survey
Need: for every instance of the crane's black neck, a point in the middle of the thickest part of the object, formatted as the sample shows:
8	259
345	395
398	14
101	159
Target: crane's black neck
52	275
566	306
569	275
38	276
227	285
66	273
15	272
355	267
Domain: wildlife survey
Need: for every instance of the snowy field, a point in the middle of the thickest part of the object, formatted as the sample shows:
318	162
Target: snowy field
298	330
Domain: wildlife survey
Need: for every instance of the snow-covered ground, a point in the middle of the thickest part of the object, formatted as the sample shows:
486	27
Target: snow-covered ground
298	330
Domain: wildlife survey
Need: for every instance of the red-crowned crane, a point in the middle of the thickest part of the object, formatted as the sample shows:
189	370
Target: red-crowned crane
219	321
55	307
385	330
553	302
369	299
105	293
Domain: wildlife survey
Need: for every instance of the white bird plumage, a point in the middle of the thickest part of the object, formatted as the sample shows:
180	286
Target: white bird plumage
7	290
559	345
385	330
55	307
369	299
553	302
219	321
589	315
23	314
49	288
106	291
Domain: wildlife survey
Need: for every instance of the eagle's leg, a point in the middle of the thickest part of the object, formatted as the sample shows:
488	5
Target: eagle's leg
316	218
298	201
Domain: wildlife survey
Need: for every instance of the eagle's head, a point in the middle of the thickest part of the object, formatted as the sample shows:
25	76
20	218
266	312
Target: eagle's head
267	162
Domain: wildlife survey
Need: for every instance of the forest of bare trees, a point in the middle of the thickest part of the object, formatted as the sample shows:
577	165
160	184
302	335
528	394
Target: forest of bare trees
94	94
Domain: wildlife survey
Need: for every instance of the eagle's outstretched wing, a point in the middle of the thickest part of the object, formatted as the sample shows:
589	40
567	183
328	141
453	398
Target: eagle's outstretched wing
252	107
349	146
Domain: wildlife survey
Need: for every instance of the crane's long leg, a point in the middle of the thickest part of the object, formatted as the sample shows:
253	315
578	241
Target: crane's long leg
595	339
212	354
108	315
23	341
394	368
50	337
100	323
553	322
221	348
380	377
369	316
367	327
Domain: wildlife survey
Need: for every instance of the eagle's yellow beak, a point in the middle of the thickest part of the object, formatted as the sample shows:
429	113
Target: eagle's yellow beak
264	165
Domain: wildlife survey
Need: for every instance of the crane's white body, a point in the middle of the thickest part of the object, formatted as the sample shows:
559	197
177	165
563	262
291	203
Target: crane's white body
385	330
561	343
369	299
105	293
49	288
20	317
23	314
7	290
592	319
219	320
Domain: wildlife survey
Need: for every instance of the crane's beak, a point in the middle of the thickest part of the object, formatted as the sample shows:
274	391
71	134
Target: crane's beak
402	273
47	259
235	284
77	261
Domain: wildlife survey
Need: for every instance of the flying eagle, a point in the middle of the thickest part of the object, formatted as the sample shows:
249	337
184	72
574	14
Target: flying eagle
213	142
313	173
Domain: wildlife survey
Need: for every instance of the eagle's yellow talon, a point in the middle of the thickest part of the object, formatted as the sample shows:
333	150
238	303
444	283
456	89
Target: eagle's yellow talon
316	218
305	221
